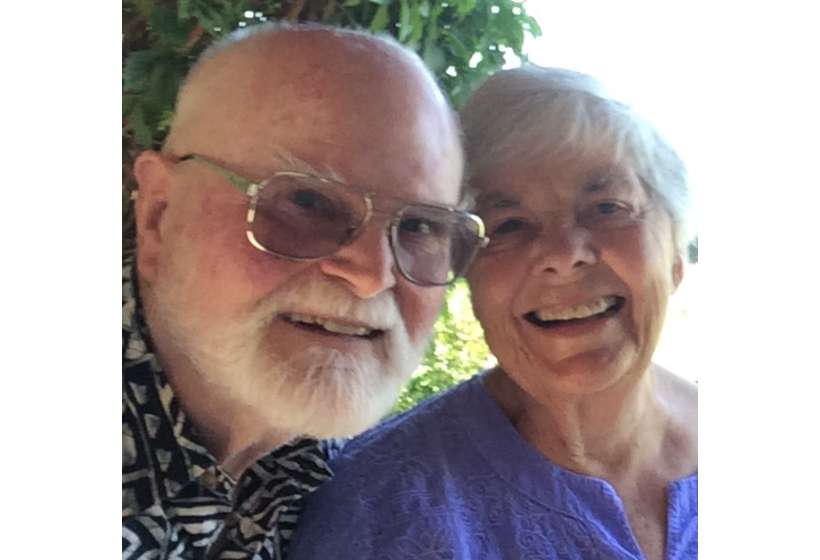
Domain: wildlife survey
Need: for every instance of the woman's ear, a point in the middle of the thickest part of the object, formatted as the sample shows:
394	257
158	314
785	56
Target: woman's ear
677	271
153	173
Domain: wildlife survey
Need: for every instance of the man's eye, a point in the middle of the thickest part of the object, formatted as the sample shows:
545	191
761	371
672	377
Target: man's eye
311	200
419	226
509	226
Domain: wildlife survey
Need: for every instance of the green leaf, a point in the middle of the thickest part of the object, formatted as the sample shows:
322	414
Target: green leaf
380	19
144	7
136	123
128	102
137	67
210	17
351	3
184	9
164	123
463	7
453	40
404	19
532	26
417	22
381	2
169	30
434	58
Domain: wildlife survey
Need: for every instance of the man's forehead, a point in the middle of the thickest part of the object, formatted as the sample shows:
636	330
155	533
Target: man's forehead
355	109
294	78
307	58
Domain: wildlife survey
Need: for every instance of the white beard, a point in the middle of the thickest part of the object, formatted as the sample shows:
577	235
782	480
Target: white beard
312	390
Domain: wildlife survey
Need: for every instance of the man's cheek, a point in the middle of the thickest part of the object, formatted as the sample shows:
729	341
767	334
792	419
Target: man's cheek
421	312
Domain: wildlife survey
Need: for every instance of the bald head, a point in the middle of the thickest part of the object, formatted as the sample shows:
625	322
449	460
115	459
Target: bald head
303	89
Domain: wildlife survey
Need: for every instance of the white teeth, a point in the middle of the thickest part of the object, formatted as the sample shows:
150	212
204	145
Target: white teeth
329	325
579	312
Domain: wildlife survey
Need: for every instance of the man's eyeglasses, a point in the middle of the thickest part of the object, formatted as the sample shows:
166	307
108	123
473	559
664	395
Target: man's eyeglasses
303	217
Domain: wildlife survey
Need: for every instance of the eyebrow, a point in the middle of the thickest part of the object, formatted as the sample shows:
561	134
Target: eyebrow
283	157
605	179
497	200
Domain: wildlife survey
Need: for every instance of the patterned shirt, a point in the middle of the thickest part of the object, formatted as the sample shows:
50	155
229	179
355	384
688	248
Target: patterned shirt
176	500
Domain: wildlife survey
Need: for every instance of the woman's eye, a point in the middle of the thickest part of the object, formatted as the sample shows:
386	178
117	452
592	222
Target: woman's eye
608	208
606	213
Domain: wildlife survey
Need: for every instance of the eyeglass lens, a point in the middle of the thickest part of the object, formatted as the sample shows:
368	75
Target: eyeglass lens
304	217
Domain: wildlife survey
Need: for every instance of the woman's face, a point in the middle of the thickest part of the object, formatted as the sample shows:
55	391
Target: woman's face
573	287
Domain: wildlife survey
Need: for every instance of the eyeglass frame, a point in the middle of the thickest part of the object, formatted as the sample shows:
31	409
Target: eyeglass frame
252	188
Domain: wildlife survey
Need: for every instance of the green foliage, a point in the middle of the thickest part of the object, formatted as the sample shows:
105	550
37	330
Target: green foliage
693	251
457	352
462	41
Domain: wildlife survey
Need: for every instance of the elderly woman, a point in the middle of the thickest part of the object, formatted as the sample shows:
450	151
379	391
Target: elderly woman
575	445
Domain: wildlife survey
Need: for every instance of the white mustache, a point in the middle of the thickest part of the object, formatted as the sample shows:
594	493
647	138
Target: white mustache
330	300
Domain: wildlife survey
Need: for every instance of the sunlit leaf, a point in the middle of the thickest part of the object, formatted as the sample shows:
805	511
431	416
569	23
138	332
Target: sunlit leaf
380	19
404	19
417	22
465	6
532	26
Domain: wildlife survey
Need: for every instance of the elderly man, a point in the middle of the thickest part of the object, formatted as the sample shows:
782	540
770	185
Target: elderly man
293	238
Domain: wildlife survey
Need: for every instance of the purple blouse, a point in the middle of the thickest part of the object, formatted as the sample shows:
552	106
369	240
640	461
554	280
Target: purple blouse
452	479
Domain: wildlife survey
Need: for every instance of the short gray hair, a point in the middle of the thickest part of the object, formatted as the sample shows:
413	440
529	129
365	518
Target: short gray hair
529	113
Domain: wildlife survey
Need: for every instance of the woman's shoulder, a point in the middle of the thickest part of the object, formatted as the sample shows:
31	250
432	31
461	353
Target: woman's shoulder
681	399
388	480
421	432
419	424
680	394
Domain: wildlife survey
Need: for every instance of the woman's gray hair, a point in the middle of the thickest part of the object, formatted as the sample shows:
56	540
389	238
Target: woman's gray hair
530	113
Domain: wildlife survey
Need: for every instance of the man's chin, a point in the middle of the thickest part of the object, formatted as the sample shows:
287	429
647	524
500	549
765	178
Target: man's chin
350	418
323	394
330	411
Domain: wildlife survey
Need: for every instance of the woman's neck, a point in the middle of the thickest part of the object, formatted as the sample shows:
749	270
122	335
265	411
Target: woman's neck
609	434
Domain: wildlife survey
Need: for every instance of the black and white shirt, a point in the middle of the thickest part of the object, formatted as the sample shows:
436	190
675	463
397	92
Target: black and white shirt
176	501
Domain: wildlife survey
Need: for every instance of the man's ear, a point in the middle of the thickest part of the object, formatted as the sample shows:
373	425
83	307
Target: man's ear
677	271
153	173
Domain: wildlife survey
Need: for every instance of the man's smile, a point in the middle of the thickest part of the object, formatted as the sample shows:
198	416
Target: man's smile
324	325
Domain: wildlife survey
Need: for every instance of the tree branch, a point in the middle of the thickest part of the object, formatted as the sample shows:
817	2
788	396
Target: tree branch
295	9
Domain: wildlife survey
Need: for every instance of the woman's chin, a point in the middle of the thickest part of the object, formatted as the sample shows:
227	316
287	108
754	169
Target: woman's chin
582	373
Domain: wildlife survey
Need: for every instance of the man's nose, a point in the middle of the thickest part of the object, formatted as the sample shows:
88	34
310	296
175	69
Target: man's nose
366	265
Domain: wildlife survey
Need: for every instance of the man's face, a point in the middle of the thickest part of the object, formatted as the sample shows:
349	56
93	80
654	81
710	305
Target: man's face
322	347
